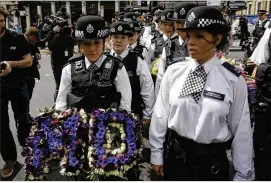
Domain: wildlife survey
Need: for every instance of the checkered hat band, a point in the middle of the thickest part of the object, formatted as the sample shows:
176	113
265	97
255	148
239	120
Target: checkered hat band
204	22
95	34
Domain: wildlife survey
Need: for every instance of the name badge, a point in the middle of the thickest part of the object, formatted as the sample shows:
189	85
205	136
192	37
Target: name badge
215	95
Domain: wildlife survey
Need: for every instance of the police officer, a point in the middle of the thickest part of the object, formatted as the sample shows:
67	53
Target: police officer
260	27
61	47
120	16
135	45
93	80
176	51
262	107
31	35
160	40
202	109
139	74
14	58
153	26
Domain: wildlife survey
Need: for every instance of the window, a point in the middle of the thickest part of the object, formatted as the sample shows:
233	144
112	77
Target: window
249	9
259	6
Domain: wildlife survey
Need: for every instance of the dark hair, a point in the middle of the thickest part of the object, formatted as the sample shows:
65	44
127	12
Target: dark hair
3	12
33	31
224	41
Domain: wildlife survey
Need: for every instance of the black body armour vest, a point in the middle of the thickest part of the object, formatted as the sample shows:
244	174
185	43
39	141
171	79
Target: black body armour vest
139	50
259	29
159	42
130	63
94	90
175	52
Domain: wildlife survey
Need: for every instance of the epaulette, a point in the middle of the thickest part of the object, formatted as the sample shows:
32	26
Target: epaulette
115	59
137	54
175	38
232	69
76	58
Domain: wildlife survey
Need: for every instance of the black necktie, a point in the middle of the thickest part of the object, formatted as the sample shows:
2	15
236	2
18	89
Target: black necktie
194	83
93	67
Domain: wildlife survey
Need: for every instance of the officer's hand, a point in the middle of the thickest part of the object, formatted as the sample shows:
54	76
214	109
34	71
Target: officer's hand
56	29
146	122
7	70
158	169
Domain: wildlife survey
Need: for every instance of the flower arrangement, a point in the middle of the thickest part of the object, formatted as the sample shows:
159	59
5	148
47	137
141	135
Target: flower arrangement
101	144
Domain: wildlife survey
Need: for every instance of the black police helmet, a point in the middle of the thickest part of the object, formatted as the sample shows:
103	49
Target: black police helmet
121	27
166	16
90	27
205	17
181	9
129	16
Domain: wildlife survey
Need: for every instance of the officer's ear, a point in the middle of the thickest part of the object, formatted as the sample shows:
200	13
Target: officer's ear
218	39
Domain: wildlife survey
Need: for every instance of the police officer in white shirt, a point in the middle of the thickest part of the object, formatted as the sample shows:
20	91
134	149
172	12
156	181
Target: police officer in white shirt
134	43
176	51
93	80
159	41
202	110
138	71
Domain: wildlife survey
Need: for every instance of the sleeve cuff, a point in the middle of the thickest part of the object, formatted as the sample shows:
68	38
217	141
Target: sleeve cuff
157	158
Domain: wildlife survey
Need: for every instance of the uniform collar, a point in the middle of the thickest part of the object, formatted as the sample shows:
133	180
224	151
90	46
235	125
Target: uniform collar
98	63
122	55
181	41
207	65
173	36
134	45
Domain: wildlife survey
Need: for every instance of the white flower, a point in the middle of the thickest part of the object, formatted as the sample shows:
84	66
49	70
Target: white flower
101	171
69	174
96	171
62	172
77	172
108	146
31	177
46	169
90	164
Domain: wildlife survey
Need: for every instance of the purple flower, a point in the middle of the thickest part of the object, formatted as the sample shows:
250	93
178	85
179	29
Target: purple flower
67	125
38	152
99	135
73	162
120	117
102	163
122	160
112	160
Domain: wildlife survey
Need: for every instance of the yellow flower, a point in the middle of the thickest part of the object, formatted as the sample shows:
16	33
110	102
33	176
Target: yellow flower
46	169
31	177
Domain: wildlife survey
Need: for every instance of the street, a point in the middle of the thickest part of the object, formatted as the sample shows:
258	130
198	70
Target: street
43	97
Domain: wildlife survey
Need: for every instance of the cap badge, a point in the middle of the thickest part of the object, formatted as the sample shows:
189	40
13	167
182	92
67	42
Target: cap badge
182	12
191	17
89	28
168	15
131	25
163	17
175	15
120	28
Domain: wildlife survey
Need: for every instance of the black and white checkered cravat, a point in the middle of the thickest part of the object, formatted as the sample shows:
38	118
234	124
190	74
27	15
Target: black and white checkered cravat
194	83
93	67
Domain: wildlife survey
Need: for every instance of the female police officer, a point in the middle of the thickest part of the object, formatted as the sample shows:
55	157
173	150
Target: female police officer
139	74
93	80
177	50
202	109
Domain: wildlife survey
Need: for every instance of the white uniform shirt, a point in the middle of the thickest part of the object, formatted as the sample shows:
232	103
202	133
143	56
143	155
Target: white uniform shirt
261	52
121	81
209	121
162	68
146	83
145	54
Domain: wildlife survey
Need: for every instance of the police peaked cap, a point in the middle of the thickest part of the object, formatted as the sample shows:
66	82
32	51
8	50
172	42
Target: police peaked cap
120	18
135	26
121	27
147	16
262	12
129	16
157	9
181	9
205	17
166	16
90	27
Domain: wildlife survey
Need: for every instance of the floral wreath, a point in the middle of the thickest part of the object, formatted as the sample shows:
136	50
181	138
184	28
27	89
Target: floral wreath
104	143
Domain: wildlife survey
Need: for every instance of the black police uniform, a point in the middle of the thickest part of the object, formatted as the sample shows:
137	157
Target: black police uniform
174	51
92	87
61	48
259	29
13	89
